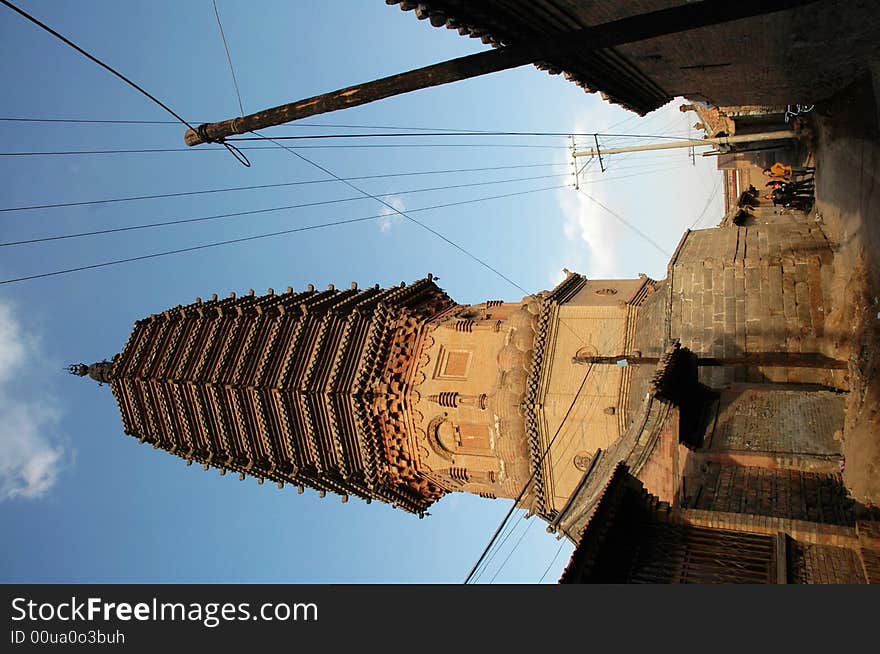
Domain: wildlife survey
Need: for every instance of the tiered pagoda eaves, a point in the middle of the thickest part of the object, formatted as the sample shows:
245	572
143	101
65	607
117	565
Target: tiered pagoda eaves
283	387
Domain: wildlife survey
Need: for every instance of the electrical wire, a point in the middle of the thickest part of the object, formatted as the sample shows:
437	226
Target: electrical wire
512	550
228	56
300	137
530	480
400	213
708	203
647	238
559	456
251	212
647	168
552	561
423	131
266	186
56	153
262	236
93	58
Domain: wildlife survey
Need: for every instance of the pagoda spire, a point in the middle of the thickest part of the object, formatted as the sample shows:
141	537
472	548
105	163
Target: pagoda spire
101	372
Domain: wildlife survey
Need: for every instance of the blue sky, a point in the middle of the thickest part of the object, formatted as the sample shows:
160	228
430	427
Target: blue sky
81	502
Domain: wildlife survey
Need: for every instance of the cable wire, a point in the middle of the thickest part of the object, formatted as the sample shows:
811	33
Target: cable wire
531	478
552	561
228	56
648	169
262	236
558	455
281	147
302	137
512	550
265	186
423	131
401	213
251	212
93	58
647	238
708	203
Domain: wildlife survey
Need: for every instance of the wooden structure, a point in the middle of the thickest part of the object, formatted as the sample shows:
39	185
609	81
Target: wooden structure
631	538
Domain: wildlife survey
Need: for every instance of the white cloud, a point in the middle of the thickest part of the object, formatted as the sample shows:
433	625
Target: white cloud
30	454
663	186
389	217
587	224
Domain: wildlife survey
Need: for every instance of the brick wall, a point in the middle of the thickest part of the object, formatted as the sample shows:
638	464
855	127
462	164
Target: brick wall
659	474
823	564
749	290
789	494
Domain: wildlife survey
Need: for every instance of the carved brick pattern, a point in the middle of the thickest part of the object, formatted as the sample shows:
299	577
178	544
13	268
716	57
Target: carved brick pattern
285	387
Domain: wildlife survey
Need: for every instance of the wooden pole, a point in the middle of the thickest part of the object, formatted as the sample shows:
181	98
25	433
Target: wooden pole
627	30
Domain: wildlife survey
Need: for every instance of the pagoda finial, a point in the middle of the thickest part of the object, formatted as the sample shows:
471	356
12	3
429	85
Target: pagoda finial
101	372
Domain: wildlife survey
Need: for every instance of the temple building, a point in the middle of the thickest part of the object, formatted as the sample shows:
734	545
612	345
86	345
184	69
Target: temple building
397	394
698	413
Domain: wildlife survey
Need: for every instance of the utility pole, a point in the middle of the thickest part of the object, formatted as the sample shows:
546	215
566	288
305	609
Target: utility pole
627	30
690	143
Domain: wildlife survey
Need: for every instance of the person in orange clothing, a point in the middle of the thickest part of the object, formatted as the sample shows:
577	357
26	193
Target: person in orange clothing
783	172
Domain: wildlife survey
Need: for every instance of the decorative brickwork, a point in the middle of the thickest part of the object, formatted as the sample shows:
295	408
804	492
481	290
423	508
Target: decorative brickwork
304	388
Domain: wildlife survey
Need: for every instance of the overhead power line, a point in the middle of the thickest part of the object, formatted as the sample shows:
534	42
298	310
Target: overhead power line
251	212
267	235
49	153
558	455
388	205
112	121
552	561
228	56
512	550
276	185
648	168
236	152
93	58
531	477
638	231
416	131
305	137
707	205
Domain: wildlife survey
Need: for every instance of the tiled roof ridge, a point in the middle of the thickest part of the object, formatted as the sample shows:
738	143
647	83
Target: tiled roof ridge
645	94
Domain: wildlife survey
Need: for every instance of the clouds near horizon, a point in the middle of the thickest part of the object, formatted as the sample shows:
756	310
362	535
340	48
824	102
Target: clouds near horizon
31	454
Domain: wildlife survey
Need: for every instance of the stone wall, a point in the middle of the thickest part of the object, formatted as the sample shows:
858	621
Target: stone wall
750	290
776	419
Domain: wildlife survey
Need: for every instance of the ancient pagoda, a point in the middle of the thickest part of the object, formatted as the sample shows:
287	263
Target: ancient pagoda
396	394
348	391
713	408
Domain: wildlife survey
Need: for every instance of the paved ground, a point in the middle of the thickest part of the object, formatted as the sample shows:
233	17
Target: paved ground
847	156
